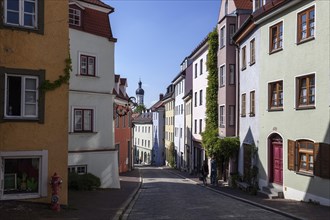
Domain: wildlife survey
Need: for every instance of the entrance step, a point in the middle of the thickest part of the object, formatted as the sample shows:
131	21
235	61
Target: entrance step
273	191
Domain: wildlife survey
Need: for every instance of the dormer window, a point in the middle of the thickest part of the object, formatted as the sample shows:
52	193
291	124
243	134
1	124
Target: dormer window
258	4
74	17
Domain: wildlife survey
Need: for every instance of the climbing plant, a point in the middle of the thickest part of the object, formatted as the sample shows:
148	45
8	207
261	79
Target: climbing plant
210	138
49	86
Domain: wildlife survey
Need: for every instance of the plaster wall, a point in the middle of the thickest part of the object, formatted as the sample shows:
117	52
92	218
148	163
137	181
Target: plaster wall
28	50
199	83
249	125
293	61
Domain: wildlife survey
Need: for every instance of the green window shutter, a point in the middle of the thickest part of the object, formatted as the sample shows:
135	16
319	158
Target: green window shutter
292	165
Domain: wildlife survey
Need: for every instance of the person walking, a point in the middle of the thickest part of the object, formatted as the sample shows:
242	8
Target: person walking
205	172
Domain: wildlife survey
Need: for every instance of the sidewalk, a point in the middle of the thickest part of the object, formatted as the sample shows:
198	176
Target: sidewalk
289	208
98	204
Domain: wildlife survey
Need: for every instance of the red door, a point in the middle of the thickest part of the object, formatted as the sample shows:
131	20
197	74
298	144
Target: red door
277	163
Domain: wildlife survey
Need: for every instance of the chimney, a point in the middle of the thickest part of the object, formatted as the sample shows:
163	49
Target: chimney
161	96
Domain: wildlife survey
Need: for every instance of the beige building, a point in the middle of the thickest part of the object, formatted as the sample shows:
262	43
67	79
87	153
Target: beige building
33	122
168	101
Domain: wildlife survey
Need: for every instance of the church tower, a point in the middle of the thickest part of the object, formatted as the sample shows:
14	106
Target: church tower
139	94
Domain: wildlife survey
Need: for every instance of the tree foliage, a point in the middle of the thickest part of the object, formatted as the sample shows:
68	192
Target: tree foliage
140	108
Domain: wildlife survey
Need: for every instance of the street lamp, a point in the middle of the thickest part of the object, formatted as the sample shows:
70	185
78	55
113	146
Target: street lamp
122	110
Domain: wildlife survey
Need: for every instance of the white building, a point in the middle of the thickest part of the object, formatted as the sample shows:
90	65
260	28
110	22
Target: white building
249	70
158	115
91	132
179	89
143	138
199	79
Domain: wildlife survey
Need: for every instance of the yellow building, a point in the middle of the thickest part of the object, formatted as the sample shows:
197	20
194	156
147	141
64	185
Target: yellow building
34	46
168	101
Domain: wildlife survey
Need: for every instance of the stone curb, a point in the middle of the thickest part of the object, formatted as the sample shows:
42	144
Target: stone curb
120	213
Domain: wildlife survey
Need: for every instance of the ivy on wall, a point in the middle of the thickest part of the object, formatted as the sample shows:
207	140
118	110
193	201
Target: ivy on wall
210	138
49	86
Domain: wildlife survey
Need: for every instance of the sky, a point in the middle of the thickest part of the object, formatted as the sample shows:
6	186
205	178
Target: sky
154	37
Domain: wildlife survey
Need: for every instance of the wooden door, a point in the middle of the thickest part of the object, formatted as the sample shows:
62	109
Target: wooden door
277	162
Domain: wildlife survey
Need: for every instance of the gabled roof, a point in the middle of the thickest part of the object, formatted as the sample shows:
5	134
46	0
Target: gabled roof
98	3
143	118
243	4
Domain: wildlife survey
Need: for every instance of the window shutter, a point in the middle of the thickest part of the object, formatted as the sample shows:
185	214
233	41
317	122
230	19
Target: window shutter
322	160
292	155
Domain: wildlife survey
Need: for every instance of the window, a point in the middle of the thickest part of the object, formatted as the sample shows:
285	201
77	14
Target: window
195	99
180	132
231	115
200	125
87	65
74	17
305	94
244	58
222	76
201	97
201	67
252	52
79	169
252	104
195	70
258	4
195	127
306	24
117	122
207	58
309	158
222	116
276	37
243	107
231	74
83	120
181	109
21	13
21	94
231	33
25	174
275	95
226	7
222	37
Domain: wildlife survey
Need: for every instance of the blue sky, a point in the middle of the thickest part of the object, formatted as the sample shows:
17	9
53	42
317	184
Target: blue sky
155	36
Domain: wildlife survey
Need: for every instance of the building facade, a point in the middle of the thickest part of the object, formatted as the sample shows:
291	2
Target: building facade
33	116
294	137
199	84
168	102
231	16
249	70
122	118
179	84
158	114
143	138
91	131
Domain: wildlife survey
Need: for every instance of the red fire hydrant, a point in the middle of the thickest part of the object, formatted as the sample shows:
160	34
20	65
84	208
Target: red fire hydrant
55	183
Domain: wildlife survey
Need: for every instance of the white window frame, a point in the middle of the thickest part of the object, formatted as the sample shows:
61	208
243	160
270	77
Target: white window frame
21	14
43	173
222	35
88	55
23	90
76	167
222	75
76	13
222	115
